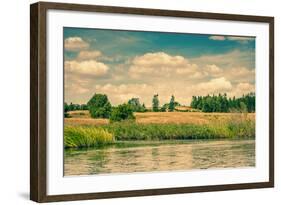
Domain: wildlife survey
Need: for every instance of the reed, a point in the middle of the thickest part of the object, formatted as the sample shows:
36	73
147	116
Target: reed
100	135
226	130
81	136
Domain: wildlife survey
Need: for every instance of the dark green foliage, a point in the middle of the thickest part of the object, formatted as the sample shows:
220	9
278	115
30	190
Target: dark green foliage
99	106
65	110
121	112
84	107
65	107
169	106
172	104
155	103
164	107
135	105
73	107
221	103
66	115
144	108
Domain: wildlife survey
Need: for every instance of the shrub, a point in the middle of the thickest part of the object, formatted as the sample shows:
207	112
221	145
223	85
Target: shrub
121	112
99	106
135	105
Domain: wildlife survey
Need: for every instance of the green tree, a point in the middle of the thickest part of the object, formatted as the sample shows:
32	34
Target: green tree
143	108
224	103
155	103
71	107
221	103
66	109
84	107
136	106
243	107
194	102
99	106
207	104
200	102
121	112
172	104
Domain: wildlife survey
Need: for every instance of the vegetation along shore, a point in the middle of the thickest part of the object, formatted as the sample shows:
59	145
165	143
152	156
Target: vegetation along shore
99	124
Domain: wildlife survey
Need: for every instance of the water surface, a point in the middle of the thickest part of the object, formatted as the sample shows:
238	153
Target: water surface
160	157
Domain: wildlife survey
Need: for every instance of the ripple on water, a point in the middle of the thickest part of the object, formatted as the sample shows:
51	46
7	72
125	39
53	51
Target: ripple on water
166	157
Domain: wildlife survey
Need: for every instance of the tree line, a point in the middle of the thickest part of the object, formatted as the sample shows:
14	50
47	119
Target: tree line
100	107
221	103
73	107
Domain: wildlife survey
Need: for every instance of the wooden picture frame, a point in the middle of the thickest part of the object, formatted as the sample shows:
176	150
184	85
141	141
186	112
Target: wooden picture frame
38	101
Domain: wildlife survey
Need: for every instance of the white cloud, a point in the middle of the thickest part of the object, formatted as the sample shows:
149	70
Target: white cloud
151	73
90	67
215	85
161	64
240	74
89	55
217	38
234	74
240	39
75	88
245	86
122	93
213	70
242	88
235	58
75	44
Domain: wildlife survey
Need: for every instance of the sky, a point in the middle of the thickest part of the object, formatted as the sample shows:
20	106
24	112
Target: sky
127	64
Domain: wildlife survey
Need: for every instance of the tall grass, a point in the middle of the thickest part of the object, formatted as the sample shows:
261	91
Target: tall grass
241	126
226	130
99	135
79	136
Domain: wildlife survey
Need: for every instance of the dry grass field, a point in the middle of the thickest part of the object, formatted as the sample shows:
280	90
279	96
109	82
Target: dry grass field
83	118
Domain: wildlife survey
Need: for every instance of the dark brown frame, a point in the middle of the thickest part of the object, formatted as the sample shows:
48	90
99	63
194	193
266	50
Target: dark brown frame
38	97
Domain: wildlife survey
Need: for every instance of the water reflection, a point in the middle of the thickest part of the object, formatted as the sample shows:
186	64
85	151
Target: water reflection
167	157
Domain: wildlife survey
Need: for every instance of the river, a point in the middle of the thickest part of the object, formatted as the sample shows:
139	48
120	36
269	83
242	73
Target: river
187	155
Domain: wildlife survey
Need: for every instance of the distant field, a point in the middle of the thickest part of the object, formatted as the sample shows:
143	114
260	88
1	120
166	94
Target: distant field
83	118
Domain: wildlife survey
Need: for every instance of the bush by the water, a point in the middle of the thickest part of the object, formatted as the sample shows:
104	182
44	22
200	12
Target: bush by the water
79	136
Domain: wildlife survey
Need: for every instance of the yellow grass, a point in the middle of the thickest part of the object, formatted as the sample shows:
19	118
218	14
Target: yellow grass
159	118
186	117
85	121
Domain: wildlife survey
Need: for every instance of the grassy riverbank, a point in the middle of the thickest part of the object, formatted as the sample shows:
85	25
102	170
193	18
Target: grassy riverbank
94	136
80	136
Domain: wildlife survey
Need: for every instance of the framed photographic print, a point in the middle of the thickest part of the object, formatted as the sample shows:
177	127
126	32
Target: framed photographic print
135	102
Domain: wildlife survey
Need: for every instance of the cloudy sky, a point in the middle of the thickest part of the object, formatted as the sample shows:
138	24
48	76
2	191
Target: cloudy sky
126	64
